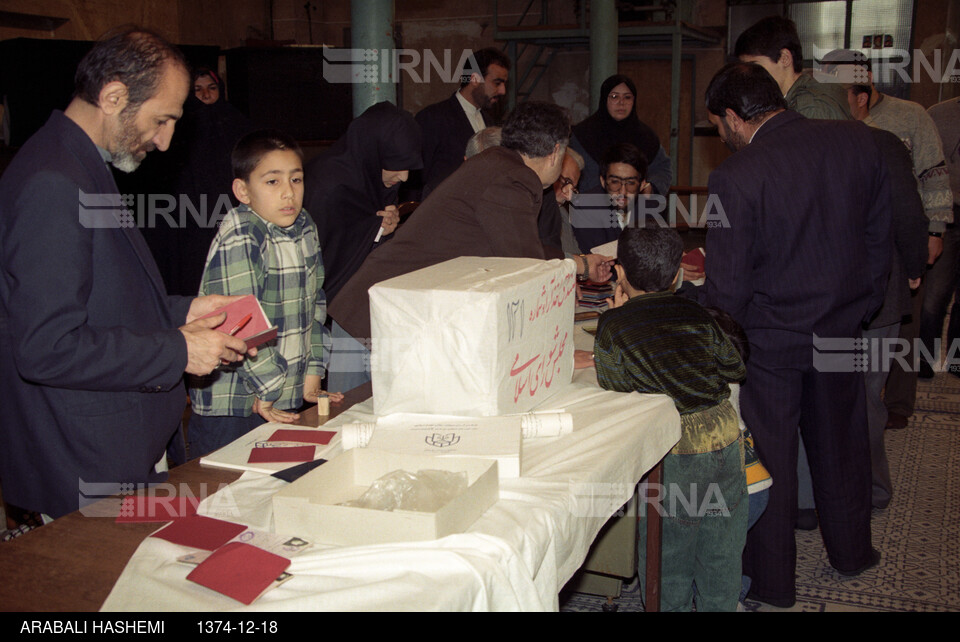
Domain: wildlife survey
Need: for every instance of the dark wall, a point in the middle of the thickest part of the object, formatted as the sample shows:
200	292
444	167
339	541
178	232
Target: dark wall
36	77
284	88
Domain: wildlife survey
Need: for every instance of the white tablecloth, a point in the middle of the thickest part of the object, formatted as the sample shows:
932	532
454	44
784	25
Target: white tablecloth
516	557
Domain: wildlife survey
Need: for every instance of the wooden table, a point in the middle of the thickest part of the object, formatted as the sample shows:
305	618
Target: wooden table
72	563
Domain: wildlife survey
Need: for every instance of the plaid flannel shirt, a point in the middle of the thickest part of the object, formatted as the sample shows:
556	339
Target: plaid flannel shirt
282	267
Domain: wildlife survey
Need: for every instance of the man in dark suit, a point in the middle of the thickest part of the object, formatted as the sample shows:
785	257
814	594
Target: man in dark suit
449	124
803	255
93	356
488	207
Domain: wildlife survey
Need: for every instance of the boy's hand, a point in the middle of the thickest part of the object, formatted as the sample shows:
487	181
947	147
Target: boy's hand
311	388
583	359
619	297
691	273
391	218
207	348
266	410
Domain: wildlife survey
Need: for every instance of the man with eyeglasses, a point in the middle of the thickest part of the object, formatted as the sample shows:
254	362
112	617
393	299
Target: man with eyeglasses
593	267
601	213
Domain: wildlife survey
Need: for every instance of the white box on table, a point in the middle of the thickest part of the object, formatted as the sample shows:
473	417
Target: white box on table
495	438
308	507
472	336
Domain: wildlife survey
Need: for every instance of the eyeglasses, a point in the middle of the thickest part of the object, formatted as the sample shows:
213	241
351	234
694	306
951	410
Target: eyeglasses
614	182
618	98
564	181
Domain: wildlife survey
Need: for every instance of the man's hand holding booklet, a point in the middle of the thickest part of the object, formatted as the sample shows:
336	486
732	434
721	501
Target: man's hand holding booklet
246	320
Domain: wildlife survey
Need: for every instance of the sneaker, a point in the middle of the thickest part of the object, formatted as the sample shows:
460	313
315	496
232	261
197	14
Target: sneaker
13	533
758	477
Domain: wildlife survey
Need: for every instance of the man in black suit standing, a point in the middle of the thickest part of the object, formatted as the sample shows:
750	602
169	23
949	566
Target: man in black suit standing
449	124
94	348
803	254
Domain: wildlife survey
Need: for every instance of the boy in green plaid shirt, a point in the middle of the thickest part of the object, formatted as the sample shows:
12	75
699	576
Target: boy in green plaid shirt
267	247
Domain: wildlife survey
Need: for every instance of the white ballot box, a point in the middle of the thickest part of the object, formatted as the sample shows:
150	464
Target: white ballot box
472	336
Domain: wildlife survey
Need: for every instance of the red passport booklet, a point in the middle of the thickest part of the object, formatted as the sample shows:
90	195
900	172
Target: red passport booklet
255	331
695	257
240	571
288	454
319	437
197	531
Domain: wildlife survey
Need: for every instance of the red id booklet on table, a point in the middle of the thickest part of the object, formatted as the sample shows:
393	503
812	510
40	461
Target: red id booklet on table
198	531
240	571
246	320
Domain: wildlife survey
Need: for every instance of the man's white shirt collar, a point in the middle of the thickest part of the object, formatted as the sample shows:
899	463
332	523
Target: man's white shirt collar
473	113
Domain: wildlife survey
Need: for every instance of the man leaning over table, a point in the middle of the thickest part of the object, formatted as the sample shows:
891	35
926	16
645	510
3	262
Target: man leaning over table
94	347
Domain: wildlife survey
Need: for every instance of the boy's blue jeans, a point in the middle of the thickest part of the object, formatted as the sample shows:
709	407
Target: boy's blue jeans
705	508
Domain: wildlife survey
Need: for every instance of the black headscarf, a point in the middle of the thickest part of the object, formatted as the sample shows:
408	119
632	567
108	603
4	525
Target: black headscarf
204	71
600	131
344	187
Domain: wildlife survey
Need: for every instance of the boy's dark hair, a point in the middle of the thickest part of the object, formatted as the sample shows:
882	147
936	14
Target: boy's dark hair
251	149
746	88
533	128
131	55
650	257
627	153
480	61
733	330
768	37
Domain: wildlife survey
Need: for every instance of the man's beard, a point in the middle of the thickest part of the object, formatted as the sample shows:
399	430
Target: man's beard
483	100
126	156
733	140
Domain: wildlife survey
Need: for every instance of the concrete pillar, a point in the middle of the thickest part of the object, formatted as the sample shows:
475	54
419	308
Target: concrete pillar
371	27
604	39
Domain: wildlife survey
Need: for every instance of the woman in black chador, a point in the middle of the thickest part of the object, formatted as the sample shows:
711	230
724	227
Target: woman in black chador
351	189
